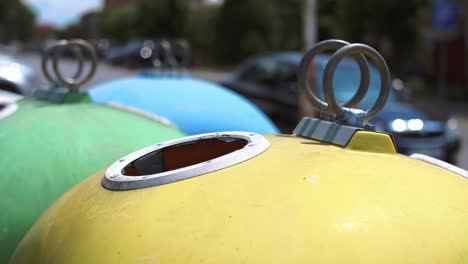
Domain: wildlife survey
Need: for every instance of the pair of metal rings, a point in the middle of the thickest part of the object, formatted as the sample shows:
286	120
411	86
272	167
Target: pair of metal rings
343	49
81	50
172	54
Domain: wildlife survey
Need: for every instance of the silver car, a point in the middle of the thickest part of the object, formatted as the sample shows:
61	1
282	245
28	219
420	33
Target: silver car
16	77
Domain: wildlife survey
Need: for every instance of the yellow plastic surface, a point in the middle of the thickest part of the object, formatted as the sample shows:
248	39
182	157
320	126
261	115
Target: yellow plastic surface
372	142
300	201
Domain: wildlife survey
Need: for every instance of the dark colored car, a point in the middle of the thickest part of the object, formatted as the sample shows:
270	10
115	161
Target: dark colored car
269	81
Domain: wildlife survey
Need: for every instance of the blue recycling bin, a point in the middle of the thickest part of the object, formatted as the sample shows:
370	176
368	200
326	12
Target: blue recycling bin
195	106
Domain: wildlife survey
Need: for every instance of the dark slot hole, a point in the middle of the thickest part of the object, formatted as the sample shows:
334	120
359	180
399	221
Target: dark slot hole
183	155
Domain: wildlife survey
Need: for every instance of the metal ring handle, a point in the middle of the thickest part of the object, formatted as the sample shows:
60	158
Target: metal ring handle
169	60
45	60
185	52
80	58
83	45
47	56
326	45
374	56
155	56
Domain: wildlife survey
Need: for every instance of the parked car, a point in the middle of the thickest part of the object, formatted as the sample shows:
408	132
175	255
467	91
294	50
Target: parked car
16	77
269	80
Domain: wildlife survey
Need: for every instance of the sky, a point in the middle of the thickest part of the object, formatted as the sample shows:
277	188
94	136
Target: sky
62	12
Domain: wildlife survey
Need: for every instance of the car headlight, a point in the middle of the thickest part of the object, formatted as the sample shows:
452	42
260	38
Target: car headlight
415	124
400	125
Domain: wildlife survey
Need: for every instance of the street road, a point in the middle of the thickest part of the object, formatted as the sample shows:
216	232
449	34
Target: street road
107	72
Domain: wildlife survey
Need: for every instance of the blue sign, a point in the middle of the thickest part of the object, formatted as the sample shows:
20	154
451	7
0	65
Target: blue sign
444	15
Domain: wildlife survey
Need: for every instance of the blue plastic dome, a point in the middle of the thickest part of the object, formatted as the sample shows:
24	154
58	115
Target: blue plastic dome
194	105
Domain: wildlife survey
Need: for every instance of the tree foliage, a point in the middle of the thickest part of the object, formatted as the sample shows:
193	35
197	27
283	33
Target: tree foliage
17	21
246	27
239	28
392	25
146	19
162	18
119	23
201	25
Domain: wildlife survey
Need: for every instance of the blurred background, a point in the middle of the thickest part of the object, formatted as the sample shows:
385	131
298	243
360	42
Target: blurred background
253	48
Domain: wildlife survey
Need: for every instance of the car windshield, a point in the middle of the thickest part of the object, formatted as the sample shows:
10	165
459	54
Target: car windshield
346	81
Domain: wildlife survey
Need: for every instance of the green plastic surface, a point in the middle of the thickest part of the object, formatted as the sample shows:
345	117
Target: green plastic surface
47	148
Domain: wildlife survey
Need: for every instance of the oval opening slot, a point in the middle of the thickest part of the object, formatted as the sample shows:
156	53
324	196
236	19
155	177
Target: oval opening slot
183	155
183	158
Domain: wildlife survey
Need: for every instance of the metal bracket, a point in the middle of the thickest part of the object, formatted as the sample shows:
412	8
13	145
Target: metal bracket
55	95
325	131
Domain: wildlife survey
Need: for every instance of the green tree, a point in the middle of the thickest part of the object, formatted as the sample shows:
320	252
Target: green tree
396	22
246	27
201	25
289	14
17	21
162	18
119	23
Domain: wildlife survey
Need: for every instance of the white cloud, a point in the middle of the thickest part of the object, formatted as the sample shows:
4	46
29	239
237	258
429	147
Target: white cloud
62	12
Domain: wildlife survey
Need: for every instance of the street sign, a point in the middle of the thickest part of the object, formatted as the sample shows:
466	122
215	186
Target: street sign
444	15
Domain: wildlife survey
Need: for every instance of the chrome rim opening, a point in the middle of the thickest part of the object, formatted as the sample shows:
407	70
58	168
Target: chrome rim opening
182	159
183	155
